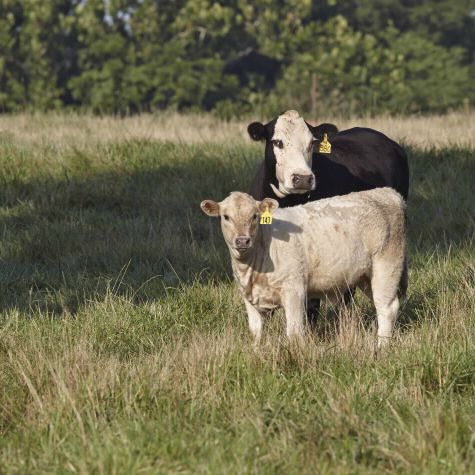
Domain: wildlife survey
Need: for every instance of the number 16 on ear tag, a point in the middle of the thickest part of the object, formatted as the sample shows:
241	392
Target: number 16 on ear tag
266	217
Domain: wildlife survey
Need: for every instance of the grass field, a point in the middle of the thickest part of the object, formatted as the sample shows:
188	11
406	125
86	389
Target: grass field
124	344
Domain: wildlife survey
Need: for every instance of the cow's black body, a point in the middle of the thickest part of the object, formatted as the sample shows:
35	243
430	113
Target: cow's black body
360	159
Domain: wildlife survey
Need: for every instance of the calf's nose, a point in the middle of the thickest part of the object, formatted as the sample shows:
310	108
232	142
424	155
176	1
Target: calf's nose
304	182
243	241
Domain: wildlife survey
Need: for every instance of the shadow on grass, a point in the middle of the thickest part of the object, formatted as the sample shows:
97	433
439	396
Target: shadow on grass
127	219
131	225
441	206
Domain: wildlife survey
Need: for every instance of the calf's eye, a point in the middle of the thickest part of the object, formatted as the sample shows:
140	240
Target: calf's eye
277	143
254	217
226	217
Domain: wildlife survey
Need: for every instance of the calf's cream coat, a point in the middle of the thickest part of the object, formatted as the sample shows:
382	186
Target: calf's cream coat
318	249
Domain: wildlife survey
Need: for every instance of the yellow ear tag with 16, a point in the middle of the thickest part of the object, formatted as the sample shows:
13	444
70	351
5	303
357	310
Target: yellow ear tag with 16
325	145
266	216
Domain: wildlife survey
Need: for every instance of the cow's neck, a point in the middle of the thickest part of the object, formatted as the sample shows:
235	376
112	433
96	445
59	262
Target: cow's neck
270	178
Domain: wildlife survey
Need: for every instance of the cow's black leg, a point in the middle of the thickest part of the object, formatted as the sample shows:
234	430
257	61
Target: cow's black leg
313	308
349	297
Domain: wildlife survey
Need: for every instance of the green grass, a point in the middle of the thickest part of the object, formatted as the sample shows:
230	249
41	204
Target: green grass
124	344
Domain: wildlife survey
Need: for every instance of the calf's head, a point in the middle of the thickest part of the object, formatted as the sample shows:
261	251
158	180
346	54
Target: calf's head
289	148
239	215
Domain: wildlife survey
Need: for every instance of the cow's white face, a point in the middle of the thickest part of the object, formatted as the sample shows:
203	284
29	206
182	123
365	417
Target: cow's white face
240	215
289	146
292	144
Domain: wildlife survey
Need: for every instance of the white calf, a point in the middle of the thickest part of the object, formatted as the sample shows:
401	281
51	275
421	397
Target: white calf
318	249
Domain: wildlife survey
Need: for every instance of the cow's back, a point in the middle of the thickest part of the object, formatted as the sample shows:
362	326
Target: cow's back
360	159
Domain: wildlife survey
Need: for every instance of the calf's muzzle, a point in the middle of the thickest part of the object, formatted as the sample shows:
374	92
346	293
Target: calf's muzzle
243	242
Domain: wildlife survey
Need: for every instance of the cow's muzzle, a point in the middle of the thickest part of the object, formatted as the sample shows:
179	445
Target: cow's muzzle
303	182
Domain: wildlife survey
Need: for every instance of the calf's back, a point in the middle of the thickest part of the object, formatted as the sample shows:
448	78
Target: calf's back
333	243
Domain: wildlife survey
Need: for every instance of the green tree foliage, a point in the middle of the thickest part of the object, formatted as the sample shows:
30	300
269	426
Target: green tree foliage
37	49
445	22
102	56
353	72
127	56
12	88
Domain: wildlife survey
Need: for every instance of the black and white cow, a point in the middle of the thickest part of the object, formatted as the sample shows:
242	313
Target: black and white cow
293	171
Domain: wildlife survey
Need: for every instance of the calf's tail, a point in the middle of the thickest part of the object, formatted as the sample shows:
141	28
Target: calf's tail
403	283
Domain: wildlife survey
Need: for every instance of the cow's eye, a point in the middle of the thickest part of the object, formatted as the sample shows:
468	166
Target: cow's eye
226	217
254	217
278	143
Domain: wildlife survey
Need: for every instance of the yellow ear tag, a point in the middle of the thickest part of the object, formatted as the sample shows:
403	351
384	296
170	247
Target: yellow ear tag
325	145
266	216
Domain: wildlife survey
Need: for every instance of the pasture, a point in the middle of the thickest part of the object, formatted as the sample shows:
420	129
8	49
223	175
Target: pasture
124	345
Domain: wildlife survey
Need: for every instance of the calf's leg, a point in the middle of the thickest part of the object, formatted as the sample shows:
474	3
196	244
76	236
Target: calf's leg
255	321
387	315
384	287
293	301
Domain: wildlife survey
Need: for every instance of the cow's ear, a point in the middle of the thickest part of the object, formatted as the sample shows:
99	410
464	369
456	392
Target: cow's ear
319	131
256	131
210	207
268	203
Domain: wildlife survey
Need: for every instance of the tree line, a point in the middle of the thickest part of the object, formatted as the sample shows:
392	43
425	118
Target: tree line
236	56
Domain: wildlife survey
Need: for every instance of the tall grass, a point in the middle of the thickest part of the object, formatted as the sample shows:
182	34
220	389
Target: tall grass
124	344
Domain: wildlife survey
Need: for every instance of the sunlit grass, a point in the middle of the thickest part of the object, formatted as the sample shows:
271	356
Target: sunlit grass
59	131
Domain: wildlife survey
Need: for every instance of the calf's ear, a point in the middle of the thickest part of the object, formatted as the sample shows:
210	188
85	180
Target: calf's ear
210	207
319	131
268	203
256	131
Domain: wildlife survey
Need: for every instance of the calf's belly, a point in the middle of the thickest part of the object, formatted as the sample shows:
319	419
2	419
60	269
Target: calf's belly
335	278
